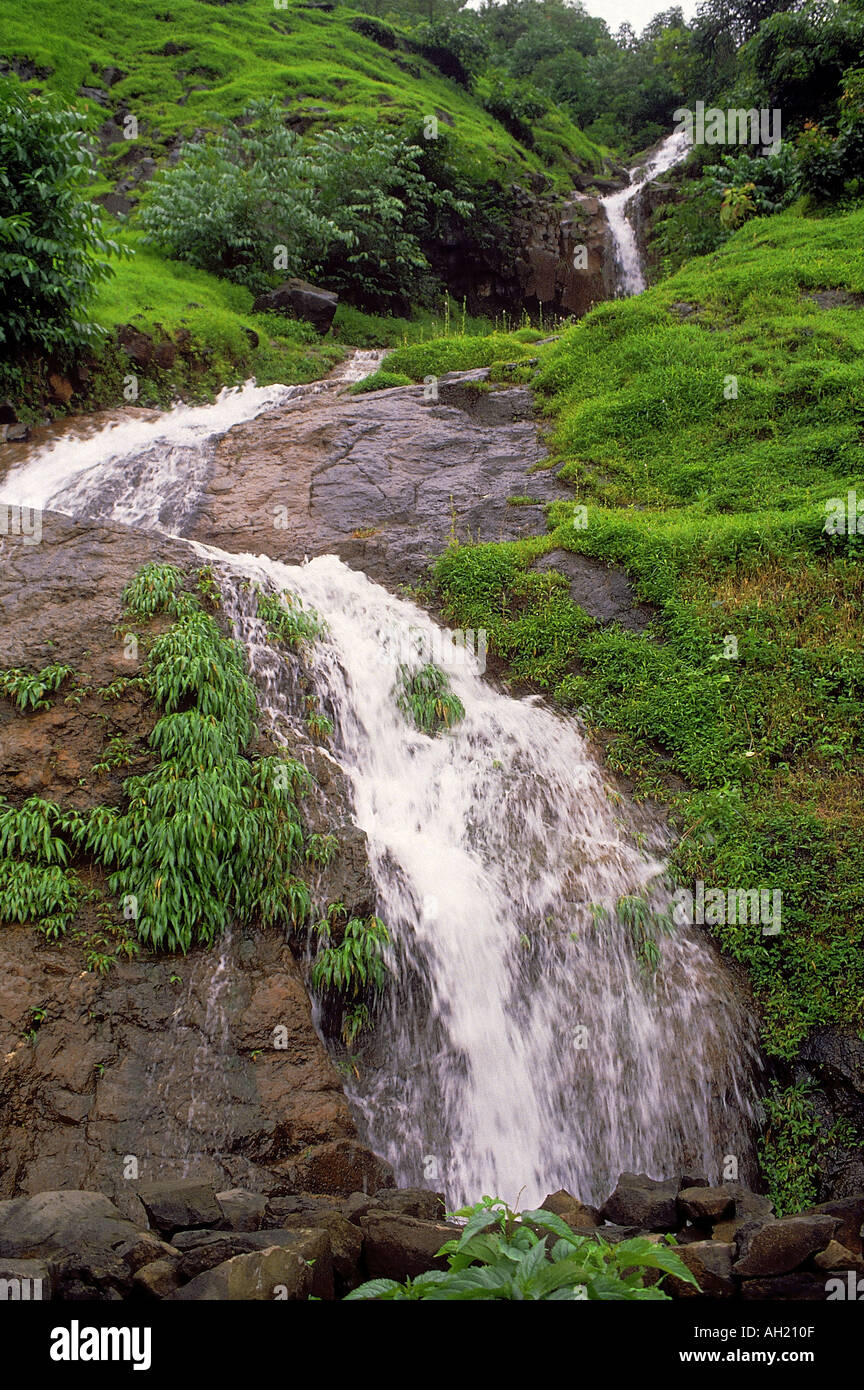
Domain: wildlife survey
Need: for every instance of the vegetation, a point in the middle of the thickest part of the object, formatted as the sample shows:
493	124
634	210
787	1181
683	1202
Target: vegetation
532	1256
351	976
424	696
28	690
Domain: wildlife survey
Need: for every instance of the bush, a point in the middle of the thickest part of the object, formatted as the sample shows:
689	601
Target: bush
52	251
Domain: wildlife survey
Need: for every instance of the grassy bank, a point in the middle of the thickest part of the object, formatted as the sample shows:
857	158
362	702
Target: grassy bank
703	427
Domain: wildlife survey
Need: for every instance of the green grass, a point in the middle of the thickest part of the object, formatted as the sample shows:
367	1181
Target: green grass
460	352
314	61
716	509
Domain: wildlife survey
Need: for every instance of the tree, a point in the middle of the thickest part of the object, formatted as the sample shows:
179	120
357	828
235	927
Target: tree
53	253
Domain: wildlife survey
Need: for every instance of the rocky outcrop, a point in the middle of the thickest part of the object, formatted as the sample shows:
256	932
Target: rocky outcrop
300	300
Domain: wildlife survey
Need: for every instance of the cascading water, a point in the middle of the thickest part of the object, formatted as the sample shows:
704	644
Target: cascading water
523	1044
628	262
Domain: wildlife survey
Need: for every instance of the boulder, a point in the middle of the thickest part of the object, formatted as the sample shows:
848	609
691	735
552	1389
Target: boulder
26	1281
401	1247
340	1167
837	1256
642	1201
751	1210
274	1273
300	300
781	1246
214	1248
711	1263
576	1215
79	1233
358	1205
157	1280
850	1211
705	1205
416	1201
137	345
346	1243
241	1211
180	1204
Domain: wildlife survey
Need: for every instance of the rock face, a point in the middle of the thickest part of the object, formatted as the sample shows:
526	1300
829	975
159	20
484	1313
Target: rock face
381	480
301	301
162	1068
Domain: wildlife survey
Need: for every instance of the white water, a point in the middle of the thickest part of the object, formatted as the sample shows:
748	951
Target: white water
628	263
523	1045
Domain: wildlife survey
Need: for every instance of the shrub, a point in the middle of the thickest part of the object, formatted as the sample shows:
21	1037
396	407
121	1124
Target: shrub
380	381
502	1256
53	254
425	697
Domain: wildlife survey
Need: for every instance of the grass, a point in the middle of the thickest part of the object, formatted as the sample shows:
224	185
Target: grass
748	691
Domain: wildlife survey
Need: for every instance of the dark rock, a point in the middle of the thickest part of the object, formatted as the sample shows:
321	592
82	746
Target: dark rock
157	1280
341	1167
788	1288
116	203
850	1211
710	1261
682	310
401	1247
216	1247
111	76
16	434
781	1246
837	1256
837	299
180	1205
301	300
241	1211
164	355
576	1215
78	1234
358	1205
418	1201
274	1273
253	337
95	94
280	1207
346	1243
751	1211
705	1204
641	1201
602	590
137	345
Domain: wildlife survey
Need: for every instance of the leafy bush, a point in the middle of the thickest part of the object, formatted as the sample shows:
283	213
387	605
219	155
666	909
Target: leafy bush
425	697
287	620
53	254
504	1256
28	691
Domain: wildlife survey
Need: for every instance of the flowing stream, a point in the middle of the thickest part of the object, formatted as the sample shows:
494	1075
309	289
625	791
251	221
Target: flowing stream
629	277
525	1043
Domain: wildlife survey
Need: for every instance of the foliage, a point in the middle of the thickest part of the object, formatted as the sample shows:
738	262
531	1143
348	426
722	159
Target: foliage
793	1144
380	381
424	696
286	619
28	691
52	247
533	1256
357	964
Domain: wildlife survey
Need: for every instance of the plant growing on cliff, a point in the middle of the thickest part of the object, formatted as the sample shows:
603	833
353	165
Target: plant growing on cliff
288	621
357	965
28	690
425	697
533	1256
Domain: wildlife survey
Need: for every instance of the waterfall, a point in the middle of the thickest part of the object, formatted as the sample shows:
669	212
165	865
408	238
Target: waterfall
628	262
523	1044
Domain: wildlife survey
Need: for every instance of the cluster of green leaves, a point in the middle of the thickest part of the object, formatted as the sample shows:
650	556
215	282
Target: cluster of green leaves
351	976
288	621
52	248
28	690
425	697
36	882
793	1143
533	1257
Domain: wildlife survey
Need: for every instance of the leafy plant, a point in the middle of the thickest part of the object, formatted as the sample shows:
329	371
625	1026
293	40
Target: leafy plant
502	1255
425	697
286	618
119	753
357	965
28	691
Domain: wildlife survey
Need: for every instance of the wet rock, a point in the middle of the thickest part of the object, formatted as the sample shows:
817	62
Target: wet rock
752	1210
275	1273
641	1201
138	346
710	1261
164	355
16	433
358	1205
346	1243
242	1211
705	1204
341	1167
401	1247
301	300
602	590
781	1246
